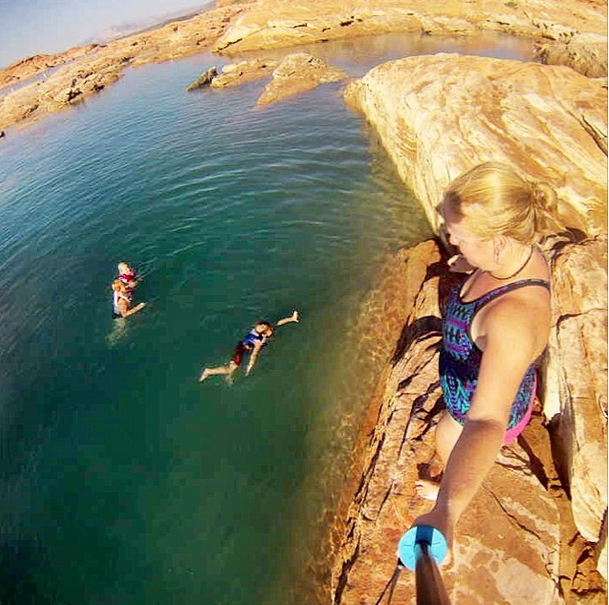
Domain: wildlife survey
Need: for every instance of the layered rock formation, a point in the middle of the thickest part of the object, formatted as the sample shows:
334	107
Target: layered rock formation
574	32
575	390
439	115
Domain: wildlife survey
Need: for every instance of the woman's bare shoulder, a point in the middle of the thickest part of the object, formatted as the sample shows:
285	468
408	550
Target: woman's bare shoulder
520	317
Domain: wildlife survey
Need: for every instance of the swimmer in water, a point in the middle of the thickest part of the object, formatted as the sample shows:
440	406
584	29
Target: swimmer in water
252	344
122	300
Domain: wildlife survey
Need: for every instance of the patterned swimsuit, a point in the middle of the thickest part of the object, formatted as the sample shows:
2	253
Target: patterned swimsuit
460	358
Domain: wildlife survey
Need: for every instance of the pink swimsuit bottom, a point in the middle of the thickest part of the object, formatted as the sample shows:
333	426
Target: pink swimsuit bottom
511	434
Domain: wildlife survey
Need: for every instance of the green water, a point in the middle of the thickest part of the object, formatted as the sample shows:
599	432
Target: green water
124	480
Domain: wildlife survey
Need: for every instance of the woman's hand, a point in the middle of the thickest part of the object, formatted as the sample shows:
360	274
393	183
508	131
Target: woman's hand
438	519
458	264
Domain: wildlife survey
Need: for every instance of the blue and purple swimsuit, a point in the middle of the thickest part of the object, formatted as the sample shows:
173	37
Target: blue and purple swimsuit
460	358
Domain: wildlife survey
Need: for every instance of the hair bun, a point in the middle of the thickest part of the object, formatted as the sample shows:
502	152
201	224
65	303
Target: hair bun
545	204
545	196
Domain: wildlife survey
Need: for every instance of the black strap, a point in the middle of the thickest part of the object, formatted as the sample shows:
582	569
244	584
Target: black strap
391	584
501	290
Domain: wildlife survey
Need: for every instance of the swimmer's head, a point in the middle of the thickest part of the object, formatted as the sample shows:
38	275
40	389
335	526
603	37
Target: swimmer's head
493	199
124	269
264	328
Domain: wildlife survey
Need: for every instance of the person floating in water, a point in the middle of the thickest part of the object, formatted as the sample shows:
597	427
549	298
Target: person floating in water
128	276
252	343
122	300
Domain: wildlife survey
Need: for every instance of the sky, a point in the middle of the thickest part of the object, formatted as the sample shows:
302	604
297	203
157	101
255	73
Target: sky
31	27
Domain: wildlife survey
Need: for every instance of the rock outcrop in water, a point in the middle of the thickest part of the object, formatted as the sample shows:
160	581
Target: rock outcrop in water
298	73
205	79
245	71
294	74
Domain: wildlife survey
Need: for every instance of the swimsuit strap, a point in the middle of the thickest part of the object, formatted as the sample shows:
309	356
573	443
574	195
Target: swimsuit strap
516	285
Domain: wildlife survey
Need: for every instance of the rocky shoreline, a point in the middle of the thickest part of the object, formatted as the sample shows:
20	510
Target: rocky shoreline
438	115
571	34
85	71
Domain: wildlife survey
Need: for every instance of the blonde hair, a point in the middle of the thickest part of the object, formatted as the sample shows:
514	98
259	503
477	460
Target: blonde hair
493	199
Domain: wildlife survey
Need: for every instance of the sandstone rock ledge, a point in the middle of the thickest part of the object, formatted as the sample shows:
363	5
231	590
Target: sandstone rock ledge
518	543
439	115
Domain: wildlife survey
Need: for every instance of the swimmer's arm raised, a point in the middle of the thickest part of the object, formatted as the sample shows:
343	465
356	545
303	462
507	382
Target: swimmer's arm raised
126	312
295	317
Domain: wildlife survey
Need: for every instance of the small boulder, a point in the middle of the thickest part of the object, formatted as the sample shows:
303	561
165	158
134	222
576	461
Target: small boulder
298	73
239	73
204	79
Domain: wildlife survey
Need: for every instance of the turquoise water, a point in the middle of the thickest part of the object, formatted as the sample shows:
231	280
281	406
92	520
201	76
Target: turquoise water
124	480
